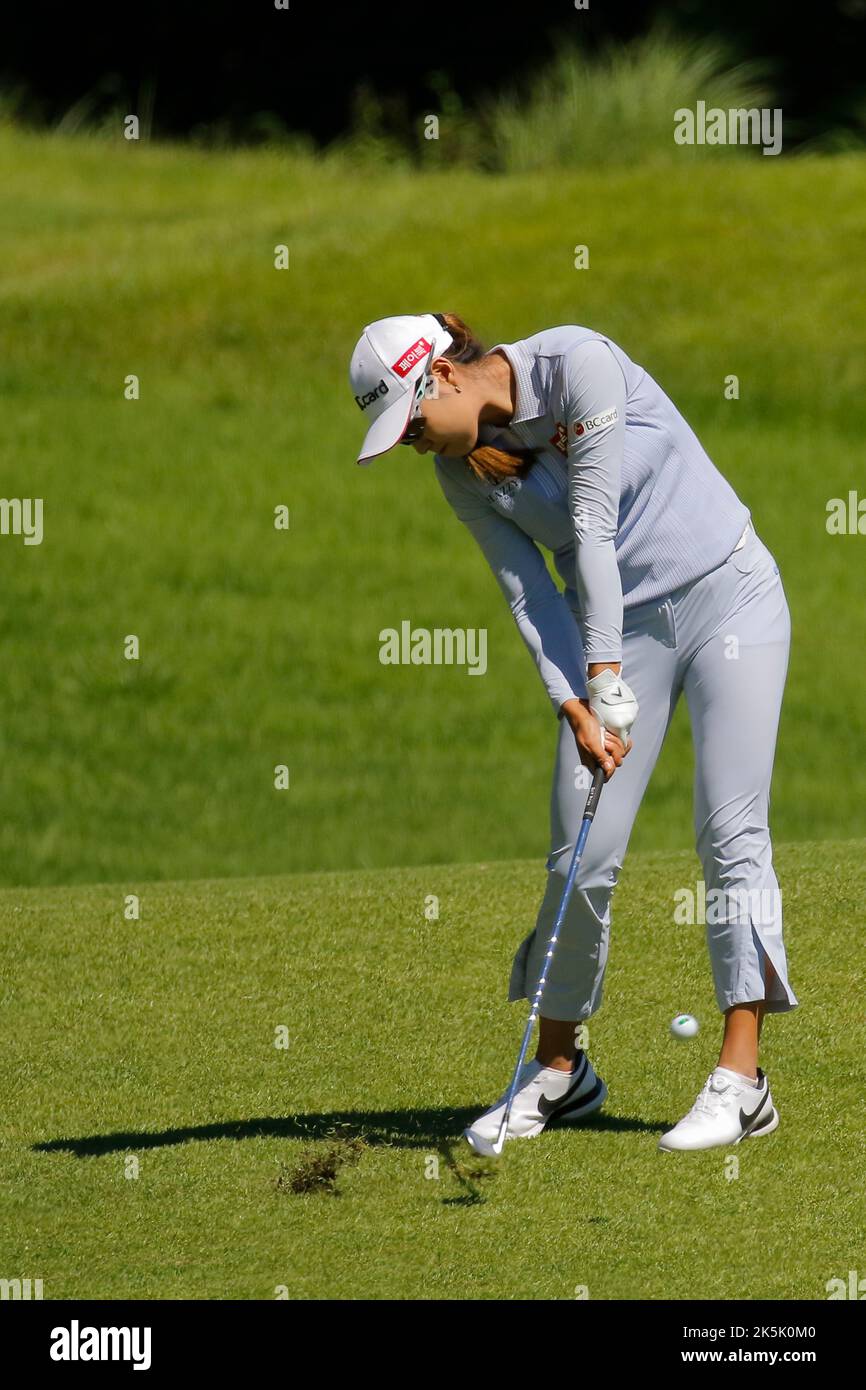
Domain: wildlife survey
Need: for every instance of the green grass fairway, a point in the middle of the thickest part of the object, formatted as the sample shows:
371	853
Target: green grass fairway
260	647
151	1043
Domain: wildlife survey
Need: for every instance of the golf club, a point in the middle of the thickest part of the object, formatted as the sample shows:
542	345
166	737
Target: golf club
588	814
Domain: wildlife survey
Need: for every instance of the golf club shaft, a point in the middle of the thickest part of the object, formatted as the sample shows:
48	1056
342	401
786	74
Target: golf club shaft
588	814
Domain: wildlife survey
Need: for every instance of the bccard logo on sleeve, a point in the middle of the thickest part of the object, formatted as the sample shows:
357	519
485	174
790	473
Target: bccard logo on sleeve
595	422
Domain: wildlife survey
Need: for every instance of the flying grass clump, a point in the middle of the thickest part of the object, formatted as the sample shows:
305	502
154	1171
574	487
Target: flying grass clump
318	1169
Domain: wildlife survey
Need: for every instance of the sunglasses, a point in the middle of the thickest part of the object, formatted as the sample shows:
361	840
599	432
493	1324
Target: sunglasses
415	428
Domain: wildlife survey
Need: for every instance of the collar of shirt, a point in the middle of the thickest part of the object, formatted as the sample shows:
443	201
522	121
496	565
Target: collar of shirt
528	405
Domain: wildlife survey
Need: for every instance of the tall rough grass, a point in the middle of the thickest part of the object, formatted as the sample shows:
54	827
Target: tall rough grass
578	109
617	107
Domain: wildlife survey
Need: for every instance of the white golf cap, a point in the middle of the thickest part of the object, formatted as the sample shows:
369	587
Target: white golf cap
388	371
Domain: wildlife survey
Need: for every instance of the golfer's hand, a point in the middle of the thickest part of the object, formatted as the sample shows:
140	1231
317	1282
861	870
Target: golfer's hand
595	745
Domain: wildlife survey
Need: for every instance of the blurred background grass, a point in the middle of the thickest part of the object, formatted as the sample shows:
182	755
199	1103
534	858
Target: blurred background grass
260	647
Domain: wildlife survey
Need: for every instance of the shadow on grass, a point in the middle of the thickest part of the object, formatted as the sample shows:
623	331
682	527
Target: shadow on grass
405	1129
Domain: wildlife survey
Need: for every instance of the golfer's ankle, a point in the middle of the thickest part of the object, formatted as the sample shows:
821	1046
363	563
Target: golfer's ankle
741	1065
556	1044
555	1059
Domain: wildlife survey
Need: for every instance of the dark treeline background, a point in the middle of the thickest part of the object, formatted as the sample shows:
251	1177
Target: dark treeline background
241	69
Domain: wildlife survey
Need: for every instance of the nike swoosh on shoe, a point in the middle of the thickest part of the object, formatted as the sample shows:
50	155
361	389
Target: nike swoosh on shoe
585	1104
758	1129
747	1120
547	1107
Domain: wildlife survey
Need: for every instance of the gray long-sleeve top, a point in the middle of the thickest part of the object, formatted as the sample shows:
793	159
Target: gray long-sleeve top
623	495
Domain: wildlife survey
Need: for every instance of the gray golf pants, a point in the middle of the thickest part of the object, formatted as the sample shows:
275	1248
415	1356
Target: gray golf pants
723	640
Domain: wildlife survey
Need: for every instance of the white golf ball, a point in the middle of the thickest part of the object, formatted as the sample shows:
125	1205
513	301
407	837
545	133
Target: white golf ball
684	1026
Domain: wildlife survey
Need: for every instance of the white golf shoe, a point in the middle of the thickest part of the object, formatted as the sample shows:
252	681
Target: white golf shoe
727	1110
542	1094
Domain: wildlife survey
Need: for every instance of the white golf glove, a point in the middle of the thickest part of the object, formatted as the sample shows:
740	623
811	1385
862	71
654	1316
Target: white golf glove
613	703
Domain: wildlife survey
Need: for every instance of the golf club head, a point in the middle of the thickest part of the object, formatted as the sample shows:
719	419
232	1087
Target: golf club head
485	1147
499	1142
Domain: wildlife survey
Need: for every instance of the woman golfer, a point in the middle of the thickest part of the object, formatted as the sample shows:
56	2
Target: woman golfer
560	440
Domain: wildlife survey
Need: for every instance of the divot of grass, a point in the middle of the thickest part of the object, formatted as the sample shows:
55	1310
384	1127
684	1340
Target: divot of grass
317	1170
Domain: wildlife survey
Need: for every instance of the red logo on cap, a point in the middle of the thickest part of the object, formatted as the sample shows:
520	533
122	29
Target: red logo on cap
416	353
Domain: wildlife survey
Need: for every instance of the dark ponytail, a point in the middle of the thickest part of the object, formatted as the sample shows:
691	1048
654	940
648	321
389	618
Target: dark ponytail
488	464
